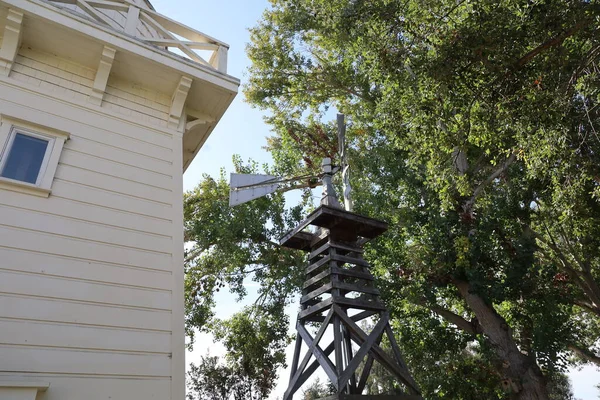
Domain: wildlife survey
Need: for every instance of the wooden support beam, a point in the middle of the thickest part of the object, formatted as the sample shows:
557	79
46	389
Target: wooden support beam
196	118
296	358
175	43
351	260
354	287
11	40
311	268
133	19
102	74
353	272
219	59
308	371
378	353
366	346
366	372
97	15
317	292
318	353
349	356
308	284
317	308
298	371
178	101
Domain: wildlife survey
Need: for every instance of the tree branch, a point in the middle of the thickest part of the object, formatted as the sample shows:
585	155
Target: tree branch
555	41
471	327
494	175
585	354
587	306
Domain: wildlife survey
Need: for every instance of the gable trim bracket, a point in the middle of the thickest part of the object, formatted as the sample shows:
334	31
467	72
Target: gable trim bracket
178	102
11	41
102	74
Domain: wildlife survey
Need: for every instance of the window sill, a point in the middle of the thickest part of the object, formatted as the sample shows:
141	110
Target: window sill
20	390
23	187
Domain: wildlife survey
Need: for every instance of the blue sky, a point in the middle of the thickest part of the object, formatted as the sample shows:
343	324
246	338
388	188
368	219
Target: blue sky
242	131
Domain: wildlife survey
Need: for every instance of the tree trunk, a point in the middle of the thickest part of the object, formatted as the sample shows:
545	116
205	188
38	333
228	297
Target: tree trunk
524	377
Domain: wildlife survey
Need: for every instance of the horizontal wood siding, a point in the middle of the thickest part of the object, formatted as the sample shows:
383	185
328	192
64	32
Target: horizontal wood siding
86	275
81	313
56	335
64	361
59	76
98	387
83	270
36	285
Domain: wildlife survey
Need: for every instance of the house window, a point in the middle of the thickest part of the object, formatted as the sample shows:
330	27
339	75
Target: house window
29	156
26	156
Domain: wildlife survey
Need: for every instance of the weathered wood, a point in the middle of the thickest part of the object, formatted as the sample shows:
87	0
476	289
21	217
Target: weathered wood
364	376
360	303
344	221
317	265
351	260
338	355
395	348
337	267
291	235
297	373
353	272
352	287
308	371
301	241
351	248
315	309
349	356
319	251
311	303
363	314
316	279
379	354
296	356
317	292
366	346
318	353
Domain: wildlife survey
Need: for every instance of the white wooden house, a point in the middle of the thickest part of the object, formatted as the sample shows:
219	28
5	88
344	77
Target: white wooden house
103	105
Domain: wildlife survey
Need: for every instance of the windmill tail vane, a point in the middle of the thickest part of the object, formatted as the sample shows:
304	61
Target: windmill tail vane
247	187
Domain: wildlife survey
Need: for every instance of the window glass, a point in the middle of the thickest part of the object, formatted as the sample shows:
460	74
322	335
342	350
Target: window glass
24	158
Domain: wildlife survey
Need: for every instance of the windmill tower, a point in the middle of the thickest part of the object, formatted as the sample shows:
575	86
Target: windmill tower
98	121
338	293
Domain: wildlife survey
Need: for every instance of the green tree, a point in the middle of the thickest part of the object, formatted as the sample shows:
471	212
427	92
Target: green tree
255	341
209	380
473	132
317	390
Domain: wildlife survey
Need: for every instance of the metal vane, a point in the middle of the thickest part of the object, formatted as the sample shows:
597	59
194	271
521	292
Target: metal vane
247	187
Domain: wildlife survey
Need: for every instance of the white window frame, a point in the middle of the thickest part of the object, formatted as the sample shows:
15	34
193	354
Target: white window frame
9	128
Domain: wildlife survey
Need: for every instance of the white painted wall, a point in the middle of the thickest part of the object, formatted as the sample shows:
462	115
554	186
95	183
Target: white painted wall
91	279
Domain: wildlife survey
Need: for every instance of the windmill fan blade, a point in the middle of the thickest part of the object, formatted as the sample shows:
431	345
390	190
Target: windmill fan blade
246	187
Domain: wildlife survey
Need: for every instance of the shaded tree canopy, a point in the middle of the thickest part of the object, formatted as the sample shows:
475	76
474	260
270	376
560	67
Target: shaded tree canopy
474	132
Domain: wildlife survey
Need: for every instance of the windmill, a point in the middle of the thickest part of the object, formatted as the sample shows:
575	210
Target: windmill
339	289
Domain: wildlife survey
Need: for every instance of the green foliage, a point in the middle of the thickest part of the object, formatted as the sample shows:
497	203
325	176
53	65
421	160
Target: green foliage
255	340
228	245
474	132
210	380
317	390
